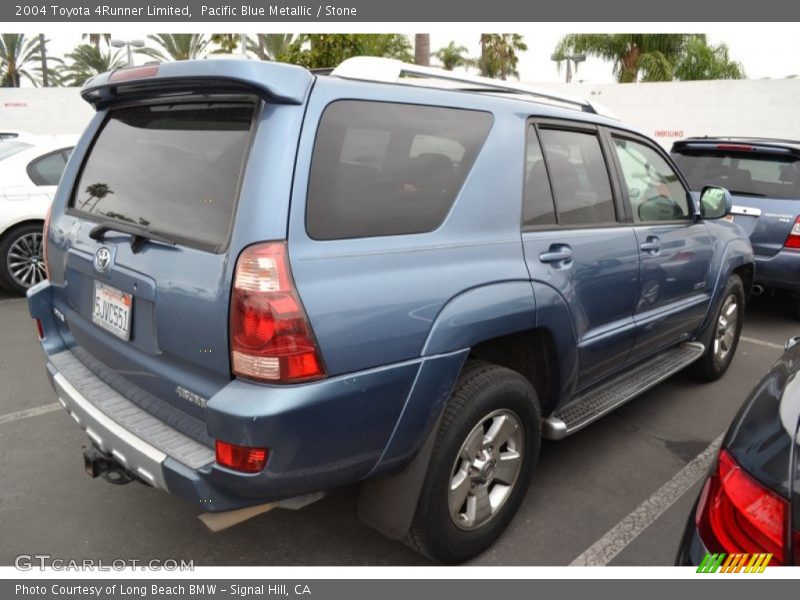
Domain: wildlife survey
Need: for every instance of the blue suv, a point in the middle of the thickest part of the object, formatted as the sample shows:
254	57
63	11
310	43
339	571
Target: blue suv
763	176
265	284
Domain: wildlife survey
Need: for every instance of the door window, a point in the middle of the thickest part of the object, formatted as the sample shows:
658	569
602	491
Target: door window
579	176
539	208
655	190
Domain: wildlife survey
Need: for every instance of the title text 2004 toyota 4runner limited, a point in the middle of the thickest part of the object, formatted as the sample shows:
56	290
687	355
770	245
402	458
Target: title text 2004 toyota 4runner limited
265	283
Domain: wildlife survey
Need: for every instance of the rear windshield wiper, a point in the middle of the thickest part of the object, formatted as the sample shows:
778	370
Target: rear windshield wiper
138	235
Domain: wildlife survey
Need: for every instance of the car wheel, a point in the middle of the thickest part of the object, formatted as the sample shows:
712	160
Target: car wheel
481	465
727	328
21	258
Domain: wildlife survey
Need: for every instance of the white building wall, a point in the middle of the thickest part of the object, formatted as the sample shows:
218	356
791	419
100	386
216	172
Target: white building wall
665	111
673	110
44	110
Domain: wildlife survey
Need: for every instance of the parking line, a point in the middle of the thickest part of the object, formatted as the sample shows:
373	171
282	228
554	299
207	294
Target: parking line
761	342
30	412
628	529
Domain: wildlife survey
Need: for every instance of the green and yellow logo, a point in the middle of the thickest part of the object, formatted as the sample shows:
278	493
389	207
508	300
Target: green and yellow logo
734	563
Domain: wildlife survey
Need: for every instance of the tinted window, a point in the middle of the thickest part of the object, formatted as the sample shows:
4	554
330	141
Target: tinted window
538	209
579	177
655	191
742	173
387	169
47	169
173	169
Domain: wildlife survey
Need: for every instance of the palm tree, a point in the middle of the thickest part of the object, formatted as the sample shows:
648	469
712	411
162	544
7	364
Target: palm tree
96	38
645	56
18	55
176	46
422	49
452	56
270	46
499	54
87	61
702	61
227	42
45	72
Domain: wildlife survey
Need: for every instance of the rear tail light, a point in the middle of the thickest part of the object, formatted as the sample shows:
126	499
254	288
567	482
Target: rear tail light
39	329
735	147
241	458
134	73
736	514
271	338
793	241
45	231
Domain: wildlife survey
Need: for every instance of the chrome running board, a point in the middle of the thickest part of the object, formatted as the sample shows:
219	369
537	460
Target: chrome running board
601	399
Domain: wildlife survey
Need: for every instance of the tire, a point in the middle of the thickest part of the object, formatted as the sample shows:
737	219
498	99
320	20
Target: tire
714	362
21	260
490	396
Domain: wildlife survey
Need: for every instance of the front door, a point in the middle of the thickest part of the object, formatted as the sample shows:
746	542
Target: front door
674	248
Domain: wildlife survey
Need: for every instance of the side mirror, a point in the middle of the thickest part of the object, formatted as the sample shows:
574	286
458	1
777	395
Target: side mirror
715	202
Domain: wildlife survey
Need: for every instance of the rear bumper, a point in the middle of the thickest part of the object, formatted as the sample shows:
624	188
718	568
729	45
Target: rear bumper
780	272
320	435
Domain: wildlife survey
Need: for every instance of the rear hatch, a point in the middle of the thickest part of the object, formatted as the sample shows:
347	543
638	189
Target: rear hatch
763	178
144	242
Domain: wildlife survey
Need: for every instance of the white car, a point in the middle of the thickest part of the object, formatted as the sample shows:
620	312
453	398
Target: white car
30	168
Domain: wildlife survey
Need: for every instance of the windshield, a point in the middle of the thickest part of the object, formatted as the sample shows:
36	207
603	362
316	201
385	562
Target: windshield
11	148
742	173
172	169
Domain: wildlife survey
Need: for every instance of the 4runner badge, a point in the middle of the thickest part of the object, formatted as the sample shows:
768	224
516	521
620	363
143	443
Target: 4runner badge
190	396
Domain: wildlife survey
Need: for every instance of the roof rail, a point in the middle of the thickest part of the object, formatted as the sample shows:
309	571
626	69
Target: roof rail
388	70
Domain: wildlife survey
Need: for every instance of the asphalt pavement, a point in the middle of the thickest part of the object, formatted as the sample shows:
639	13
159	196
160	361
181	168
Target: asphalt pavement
583	494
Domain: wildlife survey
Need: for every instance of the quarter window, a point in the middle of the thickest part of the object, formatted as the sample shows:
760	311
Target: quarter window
654	189
382	168
579	177
47	169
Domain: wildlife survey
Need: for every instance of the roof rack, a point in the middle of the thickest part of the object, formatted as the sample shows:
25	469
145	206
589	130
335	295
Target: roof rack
388	70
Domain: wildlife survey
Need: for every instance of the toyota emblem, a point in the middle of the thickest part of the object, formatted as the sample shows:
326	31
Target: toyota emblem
102	258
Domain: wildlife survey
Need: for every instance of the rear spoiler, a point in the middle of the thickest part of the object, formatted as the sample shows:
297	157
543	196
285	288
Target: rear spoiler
279	83
755	146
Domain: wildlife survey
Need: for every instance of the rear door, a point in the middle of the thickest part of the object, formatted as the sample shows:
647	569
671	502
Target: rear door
763	180
674	247
140	258
575	242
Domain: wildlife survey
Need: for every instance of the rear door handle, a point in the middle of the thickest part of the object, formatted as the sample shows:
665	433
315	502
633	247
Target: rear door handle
652	245
557	253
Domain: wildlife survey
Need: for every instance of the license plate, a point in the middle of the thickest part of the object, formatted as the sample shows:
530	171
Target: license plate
112	310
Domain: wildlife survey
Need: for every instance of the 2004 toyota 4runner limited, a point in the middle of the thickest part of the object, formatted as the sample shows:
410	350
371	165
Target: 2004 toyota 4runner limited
266	283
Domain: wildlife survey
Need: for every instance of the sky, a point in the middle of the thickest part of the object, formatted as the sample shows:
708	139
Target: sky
765	51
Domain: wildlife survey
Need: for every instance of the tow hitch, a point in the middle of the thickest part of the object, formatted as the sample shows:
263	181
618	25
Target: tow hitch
98	464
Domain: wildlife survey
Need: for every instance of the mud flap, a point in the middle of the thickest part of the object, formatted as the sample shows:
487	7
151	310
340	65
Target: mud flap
388	503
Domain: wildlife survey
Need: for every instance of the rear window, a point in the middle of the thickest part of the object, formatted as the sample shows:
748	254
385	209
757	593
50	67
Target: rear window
381	168
742	173
172	169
